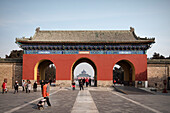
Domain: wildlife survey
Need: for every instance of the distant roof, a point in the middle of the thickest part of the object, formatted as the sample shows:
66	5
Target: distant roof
83	74
85	36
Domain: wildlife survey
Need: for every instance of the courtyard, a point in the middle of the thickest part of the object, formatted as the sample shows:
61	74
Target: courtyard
89	100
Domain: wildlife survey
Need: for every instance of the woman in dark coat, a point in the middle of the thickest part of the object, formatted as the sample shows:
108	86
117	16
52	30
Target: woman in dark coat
35	86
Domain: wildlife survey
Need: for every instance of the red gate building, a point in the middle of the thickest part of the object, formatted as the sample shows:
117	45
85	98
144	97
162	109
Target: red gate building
102	49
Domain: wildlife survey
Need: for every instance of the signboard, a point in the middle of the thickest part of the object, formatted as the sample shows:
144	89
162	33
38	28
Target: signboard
84	52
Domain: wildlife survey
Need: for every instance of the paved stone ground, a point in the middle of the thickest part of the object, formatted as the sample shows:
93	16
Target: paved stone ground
158	102
10	100
106	100
84	103
61	101
110	101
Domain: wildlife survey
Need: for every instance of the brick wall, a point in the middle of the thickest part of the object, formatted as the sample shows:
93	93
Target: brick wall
157	71
11	69
18	72
6	71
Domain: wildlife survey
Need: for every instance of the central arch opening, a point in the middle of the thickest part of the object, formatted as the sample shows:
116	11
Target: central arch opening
45	70
84	68
124	73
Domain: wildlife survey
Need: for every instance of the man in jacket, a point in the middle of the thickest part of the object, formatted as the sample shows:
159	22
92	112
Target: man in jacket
46	92
16	87
81	84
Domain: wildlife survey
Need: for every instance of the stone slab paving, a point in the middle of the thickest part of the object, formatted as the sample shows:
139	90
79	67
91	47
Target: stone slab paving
106	100
10	100
157	102
84	103
113	102
131	90
62	101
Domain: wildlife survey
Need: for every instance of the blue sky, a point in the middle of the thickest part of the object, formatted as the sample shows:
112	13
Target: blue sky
150	18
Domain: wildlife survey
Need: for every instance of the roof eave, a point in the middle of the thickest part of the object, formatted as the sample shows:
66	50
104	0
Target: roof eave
83	42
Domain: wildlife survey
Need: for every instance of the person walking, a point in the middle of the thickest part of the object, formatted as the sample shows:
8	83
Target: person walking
73	85
42	84
83	80
114	81
35	86
26	86
23	85
4	87
50	81
81	85
87	82
46	92
29	86
16	87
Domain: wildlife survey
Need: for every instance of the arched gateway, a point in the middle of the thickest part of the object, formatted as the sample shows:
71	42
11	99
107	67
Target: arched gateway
89	62
101	49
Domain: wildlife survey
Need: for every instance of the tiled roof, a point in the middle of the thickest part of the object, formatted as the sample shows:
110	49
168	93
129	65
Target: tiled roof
85	36
83	75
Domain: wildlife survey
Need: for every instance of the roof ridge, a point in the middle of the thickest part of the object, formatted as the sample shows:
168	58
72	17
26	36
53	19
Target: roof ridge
85	36
82	30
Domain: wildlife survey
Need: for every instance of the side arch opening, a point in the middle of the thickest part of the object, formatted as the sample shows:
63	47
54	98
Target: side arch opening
45	70
124	73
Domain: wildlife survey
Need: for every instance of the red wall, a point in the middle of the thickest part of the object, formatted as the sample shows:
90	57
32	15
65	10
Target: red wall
104	64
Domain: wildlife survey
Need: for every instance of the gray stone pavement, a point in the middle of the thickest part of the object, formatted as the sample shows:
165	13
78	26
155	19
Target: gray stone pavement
109	103
64	100
84	103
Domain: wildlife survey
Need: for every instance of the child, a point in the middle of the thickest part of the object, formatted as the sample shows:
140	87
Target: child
73	85
41	104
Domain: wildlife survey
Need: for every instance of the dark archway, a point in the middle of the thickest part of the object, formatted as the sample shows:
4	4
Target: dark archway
125	74
45	70
86	60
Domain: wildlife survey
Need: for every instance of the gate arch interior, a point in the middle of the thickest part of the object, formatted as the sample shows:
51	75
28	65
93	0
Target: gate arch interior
85	60
44	70
125	74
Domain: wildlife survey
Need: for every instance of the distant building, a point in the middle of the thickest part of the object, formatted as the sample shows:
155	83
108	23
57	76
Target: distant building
83	75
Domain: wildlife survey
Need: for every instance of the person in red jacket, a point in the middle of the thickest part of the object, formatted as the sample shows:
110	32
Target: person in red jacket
87	82
4	87
46	92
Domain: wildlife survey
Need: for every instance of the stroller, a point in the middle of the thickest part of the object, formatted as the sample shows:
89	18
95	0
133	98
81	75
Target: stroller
41	103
